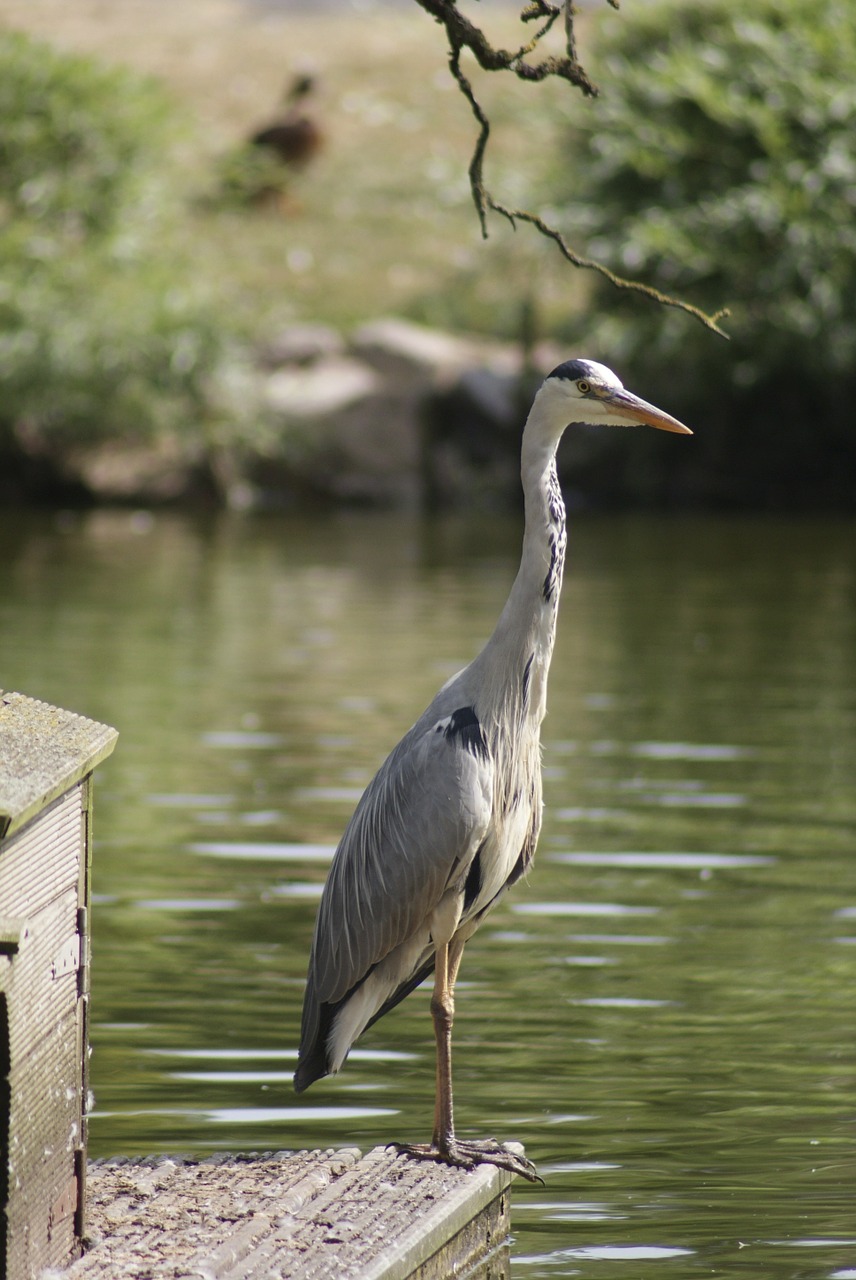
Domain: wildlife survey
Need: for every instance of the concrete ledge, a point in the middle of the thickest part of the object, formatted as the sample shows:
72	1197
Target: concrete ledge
307	1215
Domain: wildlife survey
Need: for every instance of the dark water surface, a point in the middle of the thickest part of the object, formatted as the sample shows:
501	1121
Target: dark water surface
665	1014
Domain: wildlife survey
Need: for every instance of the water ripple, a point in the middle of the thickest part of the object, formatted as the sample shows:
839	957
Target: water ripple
327	795
621	1002
285	1055
581	909
296	889
188	904
189	800
622	939
273	1115
690	861
605	1253
263	851
251	1115
237	738
690	751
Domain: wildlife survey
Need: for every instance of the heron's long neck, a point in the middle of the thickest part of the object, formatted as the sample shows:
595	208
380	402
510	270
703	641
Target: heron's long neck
517	657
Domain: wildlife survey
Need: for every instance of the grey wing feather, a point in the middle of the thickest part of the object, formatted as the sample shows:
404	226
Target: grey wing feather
416	828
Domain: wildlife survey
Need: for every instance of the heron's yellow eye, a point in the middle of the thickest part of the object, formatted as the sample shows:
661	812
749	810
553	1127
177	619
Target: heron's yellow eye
583	387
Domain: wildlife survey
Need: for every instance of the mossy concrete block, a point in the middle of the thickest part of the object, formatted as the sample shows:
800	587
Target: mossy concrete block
44	751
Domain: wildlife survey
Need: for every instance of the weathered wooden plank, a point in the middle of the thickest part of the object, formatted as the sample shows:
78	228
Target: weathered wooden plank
301	1216
41	1219
41	982
448	1232
46	1104
44	751
44	1133
43	858
388	1216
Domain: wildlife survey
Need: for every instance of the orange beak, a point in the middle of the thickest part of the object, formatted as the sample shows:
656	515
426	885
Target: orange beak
640	413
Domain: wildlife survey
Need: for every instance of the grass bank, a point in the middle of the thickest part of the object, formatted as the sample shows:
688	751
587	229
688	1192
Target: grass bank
382	221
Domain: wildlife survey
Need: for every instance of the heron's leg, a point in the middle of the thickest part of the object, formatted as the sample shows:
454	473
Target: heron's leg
447	963
444	1145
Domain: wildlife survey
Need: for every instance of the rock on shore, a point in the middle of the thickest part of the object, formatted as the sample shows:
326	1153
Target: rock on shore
394	414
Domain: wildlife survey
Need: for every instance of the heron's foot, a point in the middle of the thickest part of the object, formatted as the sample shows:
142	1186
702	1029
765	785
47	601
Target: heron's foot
467	1155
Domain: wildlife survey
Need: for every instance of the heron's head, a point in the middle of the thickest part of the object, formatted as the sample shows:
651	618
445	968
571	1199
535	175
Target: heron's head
585	391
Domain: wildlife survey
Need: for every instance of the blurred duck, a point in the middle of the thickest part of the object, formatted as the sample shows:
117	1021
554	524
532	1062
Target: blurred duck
296	137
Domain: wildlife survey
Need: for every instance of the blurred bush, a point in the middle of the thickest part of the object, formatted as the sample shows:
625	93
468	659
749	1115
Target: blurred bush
248	175
720	165
104	331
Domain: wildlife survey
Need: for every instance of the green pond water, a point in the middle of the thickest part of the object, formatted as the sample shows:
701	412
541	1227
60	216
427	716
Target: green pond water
664	1013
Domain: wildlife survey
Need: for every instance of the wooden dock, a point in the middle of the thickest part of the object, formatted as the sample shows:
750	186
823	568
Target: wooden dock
309	1215
47	756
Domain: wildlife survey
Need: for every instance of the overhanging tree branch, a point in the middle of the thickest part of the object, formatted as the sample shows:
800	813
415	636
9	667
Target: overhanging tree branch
463	34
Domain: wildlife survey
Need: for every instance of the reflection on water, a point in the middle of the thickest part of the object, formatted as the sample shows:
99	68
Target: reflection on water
663	1014
264	851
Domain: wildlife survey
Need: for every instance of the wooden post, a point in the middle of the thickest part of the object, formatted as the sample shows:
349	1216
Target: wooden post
46	761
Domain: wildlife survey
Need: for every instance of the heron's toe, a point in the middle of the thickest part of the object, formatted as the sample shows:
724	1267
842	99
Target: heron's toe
468	1155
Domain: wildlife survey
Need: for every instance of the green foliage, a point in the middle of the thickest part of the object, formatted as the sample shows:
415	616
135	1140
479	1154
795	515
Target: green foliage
102	329
77	138
720	165
248	175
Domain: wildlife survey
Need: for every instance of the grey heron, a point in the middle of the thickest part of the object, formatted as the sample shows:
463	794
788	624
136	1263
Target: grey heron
452	817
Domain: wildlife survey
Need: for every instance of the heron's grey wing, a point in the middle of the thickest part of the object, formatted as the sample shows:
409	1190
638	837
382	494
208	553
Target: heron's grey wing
415	831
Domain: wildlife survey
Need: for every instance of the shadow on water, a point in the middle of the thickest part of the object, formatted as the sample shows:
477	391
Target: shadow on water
663	1013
